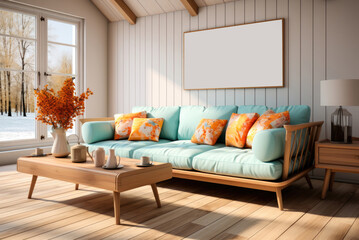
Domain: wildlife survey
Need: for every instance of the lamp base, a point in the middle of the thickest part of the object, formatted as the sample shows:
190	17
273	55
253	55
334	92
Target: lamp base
341	127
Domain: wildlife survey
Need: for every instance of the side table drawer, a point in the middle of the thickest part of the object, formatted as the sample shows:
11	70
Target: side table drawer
334	156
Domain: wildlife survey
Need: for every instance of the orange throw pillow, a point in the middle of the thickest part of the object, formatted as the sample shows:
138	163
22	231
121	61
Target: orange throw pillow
208	131
238	128
146	129
123	124
267	120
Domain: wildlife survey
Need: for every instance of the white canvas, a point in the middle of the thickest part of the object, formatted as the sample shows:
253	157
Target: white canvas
243	56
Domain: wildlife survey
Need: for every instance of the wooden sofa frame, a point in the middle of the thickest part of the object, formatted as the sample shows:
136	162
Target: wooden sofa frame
304	135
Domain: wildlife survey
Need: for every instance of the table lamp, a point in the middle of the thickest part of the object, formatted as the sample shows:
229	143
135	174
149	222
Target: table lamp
340	92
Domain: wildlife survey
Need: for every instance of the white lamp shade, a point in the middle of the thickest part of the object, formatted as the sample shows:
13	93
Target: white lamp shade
339	92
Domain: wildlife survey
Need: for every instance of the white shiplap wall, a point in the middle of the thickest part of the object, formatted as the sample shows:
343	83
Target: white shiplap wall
145	60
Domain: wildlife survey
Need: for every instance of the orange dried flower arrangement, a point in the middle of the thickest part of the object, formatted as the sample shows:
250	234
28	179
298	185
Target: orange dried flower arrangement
59	109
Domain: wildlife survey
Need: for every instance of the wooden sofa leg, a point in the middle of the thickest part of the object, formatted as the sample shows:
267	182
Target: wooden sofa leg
309	181
279	198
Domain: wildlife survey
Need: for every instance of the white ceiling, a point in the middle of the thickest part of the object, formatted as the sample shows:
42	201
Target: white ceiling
143	8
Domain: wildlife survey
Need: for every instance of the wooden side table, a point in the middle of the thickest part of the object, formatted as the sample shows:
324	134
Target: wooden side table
336	158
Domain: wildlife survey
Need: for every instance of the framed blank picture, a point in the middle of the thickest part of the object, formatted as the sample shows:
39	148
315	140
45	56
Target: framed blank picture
241	56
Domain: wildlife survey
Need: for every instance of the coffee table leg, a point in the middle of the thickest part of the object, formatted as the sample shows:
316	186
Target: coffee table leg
77	186
116	204
32	186
155	192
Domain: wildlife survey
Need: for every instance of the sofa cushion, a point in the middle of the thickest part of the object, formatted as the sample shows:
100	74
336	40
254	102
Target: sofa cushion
170	116
269	144
123	124
190	117
298	113
237	162
146	129
208	131
98	131
260	109
123	148
179	153
268	120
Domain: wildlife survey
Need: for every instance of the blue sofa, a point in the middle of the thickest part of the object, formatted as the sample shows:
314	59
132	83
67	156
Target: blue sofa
278	156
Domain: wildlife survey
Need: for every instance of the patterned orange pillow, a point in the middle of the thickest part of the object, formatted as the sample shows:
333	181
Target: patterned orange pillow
238	128
146	129
268	120
123	124
208	131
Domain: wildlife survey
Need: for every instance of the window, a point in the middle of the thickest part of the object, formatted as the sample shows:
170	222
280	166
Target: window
36	48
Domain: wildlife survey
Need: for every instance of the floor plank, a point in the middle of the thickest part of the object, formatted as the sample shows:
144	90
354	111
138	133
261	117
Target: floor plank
340	224
190	209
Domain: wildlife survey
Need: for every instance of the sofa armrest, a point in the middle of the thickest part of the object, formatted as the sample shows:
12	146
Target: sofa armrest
299	147
98	131
269	144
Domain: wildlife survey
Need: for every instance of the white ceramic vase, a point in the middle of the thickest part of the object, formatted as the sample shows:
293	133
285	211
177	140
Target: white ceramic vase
111	160
61	147
99	157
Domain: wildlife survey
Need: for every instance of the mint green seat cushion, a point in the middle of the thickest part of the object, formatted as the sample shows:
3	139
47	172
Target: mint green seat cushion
98	131
298	113
171	119
237	162
269	144
260	109
179	153
123	148
190	117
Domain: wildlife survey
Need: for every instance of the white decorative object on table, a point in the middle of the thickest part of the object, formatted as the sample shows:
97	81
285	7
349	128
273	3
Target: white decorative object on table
99	157
111	160
61	147
145	162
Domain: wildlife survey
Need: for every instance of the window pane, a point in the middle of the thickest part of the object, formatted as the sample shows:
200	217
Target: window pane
56	81
61	32
17	24
16	53
17	117
61	59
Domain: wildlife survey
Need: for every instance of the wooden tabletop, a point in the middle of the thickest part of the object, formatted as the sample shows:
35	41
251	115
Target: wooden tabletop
86	173
329	144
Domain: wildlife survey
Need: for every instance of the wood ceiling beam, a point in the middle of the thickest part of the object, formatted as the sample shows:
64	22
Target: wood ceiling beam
126	11
191	7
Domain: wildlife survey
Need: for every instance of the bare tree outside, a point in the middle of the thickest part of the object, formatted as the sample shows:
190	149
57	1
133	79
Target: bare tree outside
18	70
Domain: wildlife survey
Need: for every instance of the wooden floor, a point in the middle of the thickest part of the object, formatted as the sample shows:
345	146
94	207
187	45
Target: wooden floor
190	209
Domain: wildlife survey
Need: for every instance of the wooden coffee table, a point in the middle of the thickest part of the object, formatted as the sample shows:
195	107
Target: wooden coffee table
116	181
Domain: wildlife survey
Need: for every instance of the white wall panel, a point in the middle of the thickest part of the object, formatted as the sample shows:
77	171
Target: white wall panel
249	16
194	93
220	22
260	15
239	19
271	13
211	23
229	20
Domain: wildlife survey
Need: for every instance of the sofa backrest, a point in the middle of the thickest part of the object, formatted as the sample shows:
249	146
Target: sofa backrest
170	116
298	113
190	116
260	109
181	122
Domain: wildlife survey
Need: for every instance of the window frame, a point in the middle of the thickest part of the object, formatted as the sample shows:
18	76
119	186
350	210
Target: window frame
41	67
